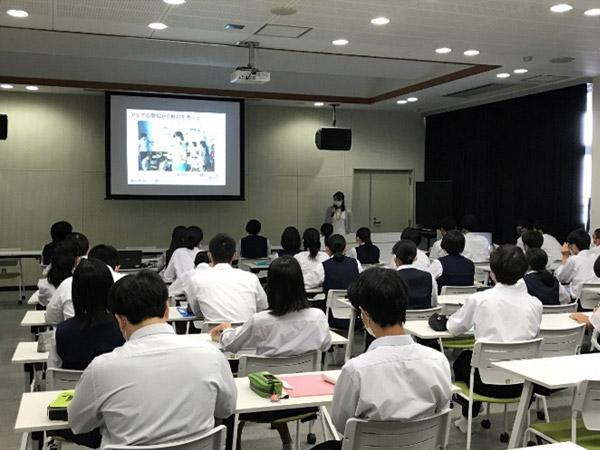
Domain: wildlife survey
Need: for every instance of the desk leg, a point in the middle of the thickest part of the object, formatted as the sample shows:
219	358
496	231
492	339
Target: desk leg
29	373
236	424
516	435
350	336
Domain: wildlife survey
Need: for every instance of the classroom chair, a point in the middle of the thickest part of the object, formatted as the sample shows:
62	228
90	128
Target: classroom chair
484	354
450	290
61	379
559	309
584	431
211	440
482	274
590	296
341	310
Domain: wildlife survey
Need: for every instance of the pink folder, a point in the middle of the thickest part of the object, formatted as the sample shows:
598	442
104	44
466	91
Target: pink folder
307	385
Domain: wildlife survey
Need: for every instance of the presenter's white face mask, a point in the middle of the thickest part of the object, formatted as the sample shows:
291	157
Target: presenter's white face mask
337	203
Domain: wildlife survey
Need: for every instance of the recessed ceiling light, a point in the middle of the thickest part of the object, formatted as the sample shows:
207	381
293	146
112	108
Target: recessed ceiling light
562	7
443	50
380	21
592	12
402	102
412	99
17	13
471	53
6	86
319	103
503	75
174	2
283	11
234	26
520	71
157	26
340	42
32	88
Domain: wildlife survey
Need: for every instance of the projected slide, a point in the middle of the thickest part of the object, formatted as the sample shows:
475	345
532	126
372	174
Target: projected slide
175	148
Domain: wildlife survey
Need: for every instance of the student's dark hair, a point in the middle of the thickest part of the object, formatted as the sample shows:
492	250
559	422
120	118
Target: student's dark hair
139	296
253	226
448	223
290	239
92	281
63	262
539	225
60	230
382	293
81	242
339	196
537	260
201	257
405	251
508	263
285	287
176	241
597	267
597	232
105	253
336	244
364	234
468	222
412	234
580	238
221	248
326	231
311	241
453	242
193	237
524	223
532	239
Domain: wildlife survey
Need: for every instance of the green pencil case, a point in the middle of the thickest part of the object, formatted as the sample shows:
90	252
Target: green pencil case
57	410
265	383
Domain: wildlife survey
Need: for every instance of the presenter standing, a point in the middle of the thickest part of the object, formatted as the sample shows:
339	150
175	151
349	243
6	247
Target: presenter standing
339	215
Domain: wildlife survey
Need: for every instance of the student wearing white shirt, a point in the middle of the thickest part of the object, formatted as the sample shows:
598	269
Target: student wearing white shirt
183	258
550	245
578	268
289	327
130	393
225	294
63	261
505	313
366	252
311	256
109	256
422	260
592	321
522	226
436	251
396	379
339	215
540	282
422	288
595	247
476	246
201	263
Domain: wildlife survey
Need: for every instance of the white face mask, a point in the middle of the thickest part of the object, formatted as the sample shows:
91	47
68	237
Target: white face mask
337	203
367	327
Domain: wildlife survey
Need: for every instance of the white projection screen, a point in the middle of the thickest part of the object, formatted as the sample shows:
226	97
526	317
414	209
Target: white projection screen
174	147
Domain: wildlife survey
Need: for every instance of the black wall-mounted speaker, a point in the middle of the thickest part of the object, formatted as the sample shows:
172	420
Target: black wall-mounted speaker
334	139
3	126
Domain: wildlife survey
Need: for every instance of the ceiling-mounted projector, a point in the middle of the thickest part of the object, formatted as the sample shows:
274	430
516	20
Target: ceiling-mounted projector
249	74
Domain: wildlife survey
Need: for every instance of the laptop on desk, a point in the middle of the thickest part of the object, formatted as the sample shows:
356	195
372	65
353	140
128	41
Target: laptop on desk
130	259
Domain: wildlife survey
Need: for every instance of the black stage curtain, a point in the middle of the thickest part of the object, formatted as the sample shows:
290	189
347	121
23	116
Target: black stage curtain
520	158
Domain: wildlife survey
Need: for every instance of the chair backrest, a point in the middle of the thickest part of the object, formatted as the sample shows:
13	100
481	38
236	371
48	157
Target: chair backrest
420	434
338	309
207	326
558	309
448	290
59	379
308	362
212	440
563	342
590	295
486	353
587	402
482	273
421	314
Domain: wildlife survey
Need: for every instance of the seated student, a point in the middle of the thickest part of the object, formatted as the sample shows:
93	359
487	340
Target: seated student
592	321
311	256
540	282
290	242
421	261
522	226
418	376
578	268
201	263
60	306
505	313
109	256
365	252
422	288
253	245
476	246
183	258
550	245
59	232
225	294
158	387
326	232
595	247
177	241
446	224
531	239
289	327
61	267
453	269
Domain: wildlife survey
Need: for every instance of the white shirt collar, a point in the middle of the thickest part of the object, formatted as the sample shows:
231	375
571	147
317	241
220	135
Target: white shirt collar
401	339
157	328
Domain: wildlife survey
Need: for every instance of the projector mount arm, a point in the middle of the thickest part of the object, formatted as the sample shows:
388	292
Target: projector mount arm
334	105
251	46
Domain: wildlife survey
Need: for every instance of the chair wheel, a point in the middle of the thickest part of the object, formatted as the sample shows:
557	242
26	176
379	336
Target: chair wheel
541	415
504	437
485	423
311	438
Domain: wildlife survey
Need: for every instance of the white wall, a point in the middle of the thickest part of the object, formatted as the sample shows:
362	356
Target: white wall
52	168
595	214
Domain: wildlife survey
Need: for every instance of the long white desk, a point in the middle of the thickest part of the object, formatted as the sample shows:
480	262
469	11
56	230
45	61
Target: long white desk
26	353
336	339
34	319
553	373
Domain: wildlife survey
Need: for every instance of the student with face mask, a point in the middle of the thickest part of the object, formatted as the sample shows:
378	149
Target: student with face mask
339	215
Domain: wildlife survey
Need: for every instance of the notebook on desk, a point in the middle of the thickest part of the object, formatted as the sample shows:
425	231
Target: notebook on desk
307	385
